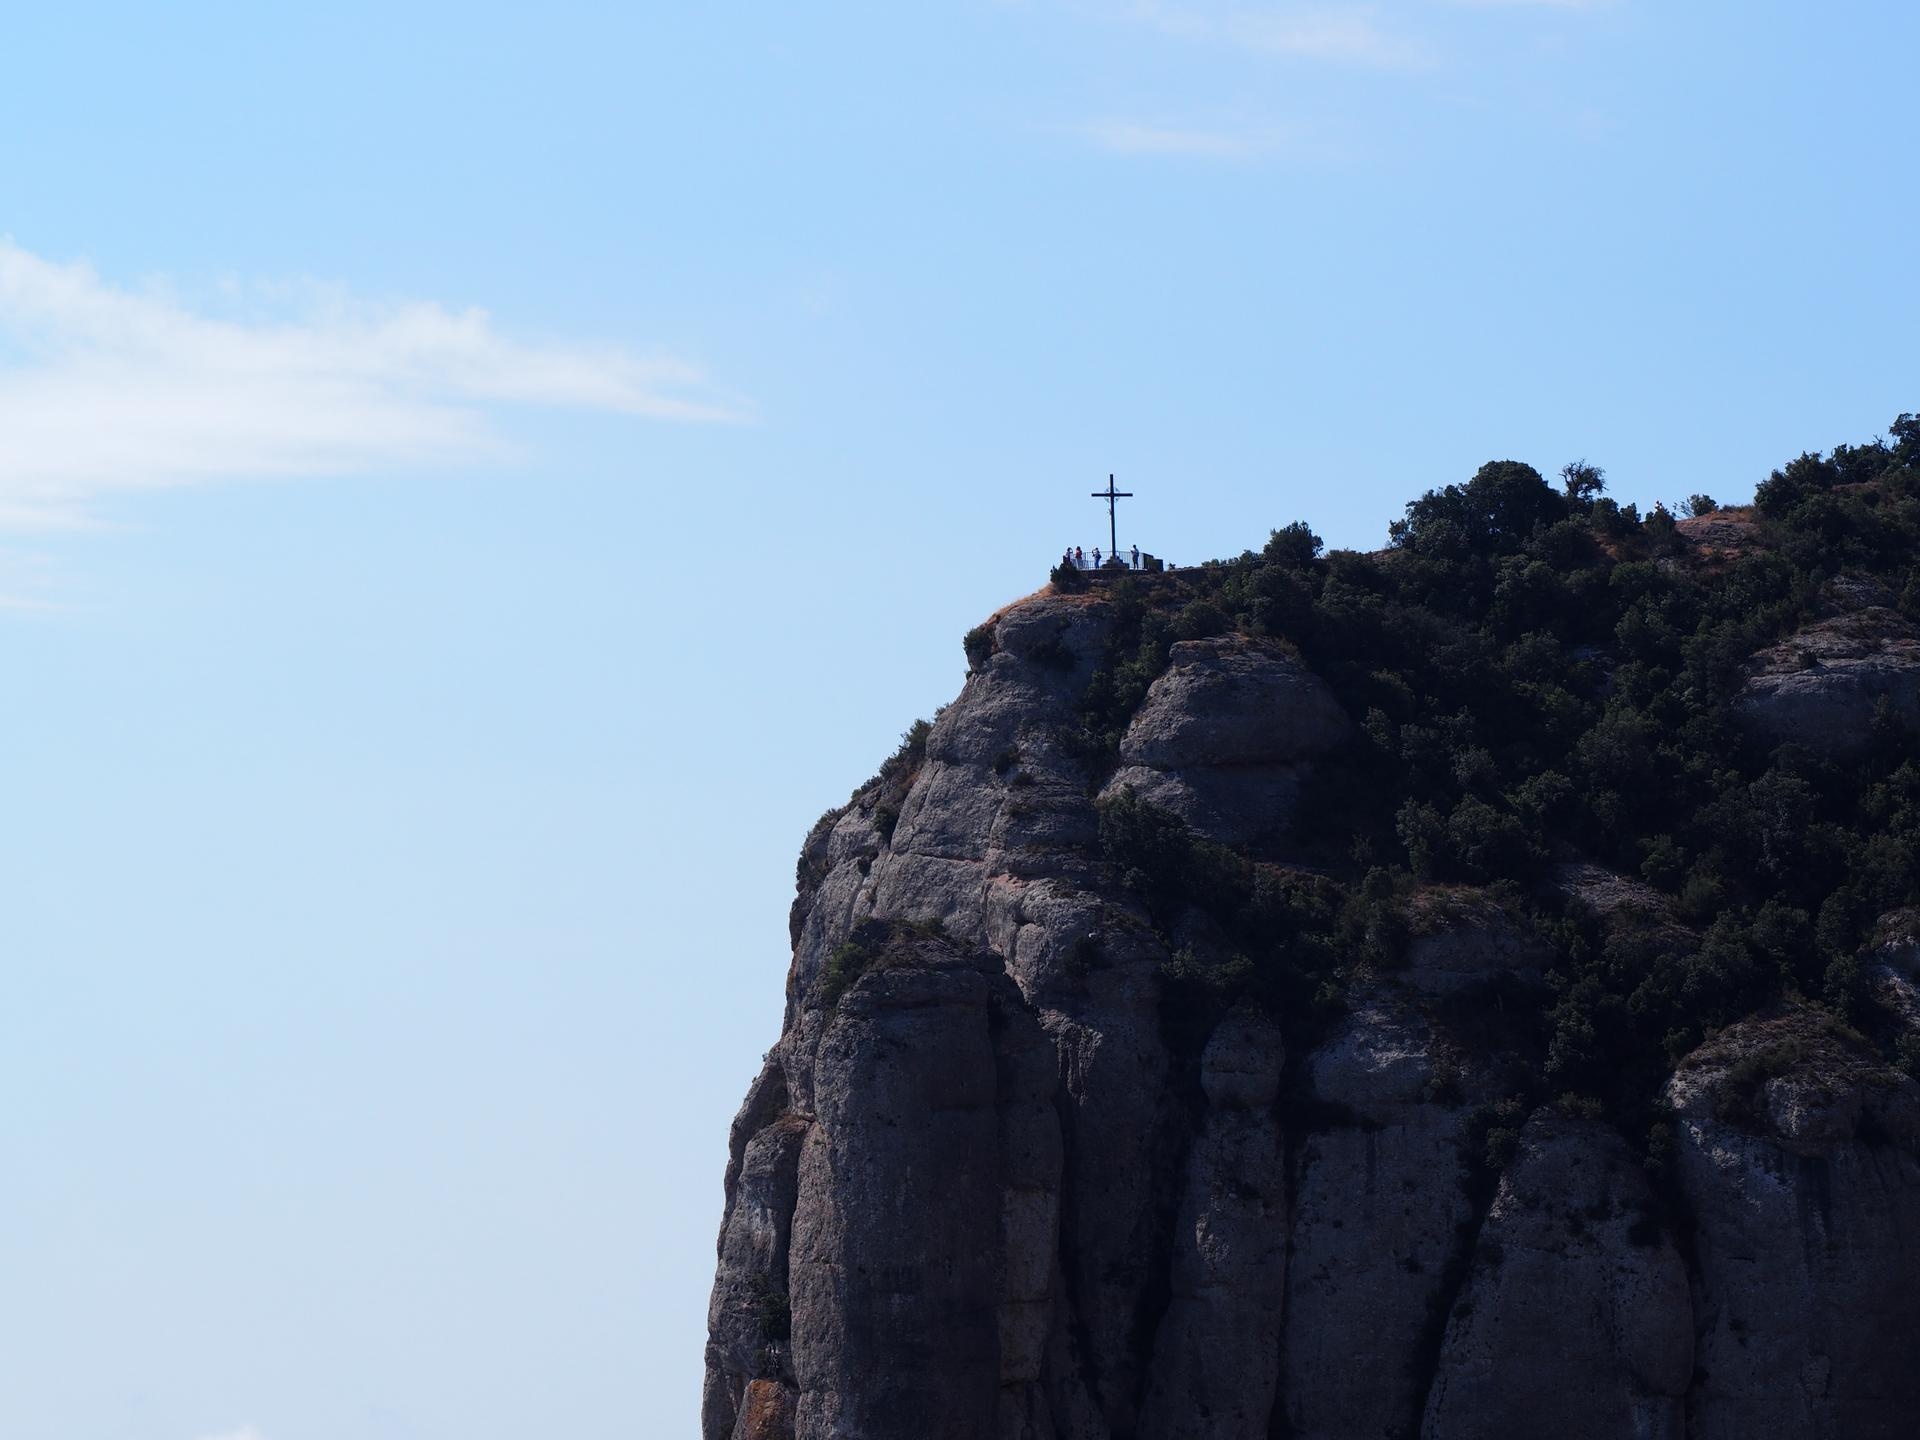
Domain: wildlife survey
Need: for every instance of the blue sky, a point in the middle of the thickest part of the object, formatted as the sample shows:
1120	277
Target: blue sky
477	481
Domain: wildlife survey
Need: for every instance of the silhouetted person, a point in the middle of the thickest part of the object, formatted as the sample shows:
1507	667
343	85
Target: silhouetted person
1136	558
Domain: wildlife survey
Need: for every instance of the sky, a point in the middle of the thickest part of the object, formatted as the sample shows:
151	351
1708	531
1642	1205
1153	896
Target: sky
478	481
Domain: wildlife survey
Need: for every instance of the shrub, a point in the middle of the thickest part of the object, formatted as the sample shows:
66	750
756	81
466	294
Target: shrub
1294	547
979	647
773	1310
845	965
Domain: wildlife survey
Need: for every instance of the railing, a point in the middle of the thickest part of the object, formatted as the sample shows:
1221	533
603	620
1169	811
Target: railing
1132	562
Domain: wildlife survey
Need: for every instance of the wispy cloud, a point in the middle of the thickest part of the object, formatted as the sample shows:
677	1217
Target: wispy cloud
245	1432
1408	36
1347	33
1389	34
106	390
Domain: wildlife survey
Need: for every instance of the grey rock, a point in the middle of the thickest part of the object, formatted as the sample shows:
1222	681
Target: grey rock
1381	1204
1575	1320
1217	1354
1893	965
1242	805
1462	938
1603	893
745	1324
1233	701
924	1232
1820	688
975	1194
1797	1158
1223	735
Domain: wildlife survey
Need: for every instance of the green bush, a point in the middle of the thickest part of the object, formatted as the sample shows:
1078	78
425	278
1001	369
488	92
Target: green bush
979	647
846	964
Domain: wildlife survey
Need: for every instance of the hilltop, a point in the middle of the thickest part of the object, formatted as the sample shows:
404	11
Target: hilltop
1344	994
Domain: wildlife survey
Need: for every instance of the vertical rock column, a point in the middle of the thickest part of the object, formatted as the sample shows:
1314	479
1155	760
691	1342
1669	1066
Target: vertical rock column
1217	1357
747	1319
896	1231
1380	1205
1798	1157
1575	1319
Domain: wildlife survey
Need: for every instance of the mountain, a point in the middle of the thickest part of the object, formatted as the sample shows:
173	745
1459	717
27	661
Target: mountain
1466	990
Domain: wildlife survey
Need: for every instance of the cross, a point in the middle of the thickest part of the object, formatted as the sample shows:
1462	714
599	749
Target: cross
1110	495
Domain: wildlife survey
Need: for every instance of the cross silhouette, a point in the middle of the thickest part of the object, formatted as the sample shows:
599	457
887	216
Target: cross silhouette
1110	495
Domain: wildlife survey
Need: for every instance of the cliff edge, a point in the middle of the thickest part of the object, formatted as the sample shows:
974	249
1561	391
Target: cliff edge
1268	1003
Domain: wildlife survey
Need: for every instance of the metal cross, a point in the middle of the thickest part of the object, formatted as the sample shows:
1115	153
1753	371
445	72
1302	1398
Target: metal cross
1110	495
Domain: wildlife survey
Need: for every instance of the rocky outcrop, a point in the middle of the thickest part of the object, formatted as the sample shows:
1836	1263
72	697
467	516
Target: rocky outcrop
1382	1210
1893	966
1214	1371
911	1219
1462	939
1822	686
988	1188
1723	534
1224	737
995	1081
1797	1159
1576	1305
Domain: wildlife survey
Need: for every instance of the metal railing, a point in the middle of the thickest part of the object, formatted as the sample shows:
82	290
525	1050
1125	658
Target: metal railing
1132	562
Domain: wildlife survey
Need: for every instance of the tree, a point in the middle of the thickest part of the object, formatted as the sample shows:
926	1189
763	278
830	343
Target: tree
1494	513
1295	547
1582	482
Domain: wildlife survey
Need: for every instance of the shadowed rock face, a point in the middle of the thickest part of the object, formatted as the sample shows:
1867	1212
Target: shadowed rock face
977	1192
1213	1369
1798	1161
1575	1305
1380	1207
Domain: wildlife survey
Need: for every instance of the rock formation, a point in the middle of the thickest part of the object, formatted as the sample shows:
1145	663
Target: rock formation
986	1189
1822	686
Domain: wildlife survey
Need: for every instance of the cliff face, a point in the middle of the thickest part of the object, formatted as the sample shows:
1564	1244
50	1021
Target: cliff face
993	1182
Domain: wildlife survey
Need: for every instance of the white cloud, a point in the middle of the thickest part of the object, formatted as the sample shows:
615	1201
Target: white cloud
1354	32
1349	33
105	390
245	1432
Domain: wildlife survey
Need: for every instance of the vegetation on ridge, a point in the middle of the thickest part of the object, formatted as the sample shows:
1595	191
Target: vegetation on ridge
1542	674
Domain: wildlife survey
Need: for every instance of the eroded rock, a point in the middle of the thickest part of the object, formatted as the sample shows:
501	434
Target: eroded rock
1797	1158
1381	1211
976	1192
1821	687
1224	734
1217	1353
1575	1320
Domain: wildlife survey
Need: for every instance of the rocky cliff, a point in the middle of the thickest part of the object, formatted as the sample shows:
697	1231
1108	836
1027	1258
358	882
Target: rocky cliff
1032	1159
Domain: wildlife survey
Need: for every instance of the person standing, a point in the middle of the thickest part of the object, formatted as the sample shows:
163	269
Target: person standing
1136	559
1096	557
